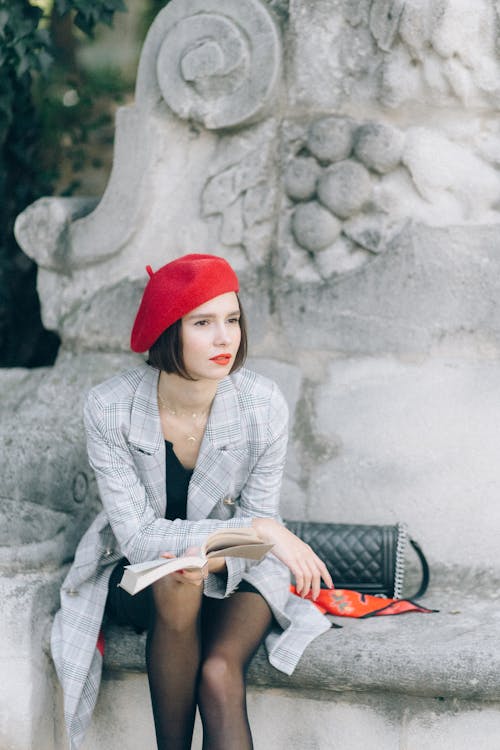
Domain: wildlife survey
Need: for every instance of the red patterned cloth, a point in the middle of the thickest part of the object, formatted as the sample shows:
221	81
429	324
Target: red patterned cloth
346	603
100	643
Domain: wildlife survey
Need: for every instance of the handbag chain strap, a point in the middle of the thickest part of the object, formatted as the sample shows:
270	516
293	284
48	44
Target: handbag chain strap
399	572
403	539
425	569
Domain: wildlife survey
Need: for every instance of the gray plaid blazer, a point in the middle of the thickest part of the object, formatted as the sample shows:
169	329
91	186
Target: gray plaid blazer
237	476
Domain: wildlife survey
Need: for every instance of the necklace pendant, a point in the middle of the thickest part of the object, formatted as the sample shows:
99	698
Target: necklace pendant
191	439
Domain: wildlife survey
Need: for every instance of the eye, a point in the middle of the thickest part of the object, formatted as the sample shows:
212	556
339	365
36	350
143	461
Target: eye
233	321
202	322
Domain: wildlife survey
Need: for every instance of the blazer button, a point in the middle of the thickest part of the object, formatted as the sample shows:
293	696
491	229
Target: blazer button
228	500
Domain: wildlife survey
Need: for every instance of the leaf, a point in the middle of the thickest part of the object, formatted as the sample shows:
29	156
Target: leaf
45	60
62	7
22	67
83	23
4	19
44	37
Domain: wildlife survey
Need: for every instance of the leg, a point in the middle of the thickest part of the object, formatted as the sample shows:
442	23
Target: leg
173	659
233	628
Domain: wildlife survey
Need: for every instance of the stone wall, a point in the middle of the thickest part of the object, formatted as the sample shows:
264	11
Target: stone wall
344	156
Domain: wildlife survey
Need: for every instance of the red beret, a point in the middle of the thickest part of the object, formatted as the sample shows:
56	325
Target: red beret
174	290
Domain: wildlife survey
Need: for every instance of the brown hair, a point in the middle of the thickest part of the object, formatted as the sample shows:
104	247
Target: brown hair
166	352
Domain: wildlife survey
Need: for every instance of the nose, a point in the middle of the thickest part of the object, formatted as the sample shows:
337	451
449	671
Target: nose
222	335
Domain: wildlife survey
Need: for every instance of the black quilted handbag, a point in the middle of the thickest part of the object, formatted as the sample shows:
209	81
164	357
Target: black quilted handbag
365	558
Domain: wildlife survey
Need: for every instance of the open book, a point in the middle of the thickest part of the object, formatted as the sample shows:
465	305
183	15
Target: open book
242	542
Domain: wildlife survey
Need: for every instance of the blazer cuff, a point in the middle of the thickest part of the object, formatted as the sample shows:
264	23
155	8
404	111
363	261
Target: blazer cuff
220	585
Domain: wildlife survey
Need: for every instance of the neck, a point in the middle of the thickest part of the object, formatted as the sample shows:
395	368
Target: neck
186	395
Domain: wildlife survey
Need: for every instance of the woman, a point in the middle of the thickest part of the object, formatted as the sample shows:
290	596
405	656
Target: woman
193	427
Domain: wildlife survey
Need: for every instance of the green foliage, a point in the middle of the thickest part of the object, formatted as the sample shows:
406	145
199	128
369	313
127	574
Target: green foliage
89	13
77	124
26	54
24	48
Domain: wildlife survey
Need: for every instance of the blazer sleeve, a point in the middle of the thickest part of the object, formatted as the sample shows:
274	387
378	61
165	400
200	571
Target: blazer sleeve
140	533
260	497
261	494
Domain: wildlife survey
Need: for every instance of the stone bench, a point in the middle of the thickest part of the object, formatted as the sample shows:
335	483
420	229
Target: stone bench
411	681
454	653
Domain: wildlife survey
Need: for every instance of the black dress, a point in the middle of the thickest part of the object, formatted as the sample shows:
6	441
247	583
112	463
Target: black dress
121	607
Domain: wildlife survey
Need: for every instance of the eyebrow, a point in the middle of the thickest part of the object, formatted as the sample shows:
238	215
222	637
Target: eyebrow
212	315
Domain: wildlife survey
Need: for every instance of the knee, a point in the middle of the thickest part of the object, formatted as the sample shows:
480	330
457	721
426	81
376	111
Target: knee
221	681
177	605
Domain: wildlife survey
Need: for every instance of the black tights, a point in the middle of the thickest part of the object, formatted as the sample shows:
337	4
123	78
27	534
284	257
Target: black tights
197	653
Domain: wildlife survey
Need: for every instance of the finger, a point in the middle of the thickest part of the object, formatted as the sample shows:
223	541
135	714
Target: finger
325	574
320	572
306	577
193	574
316	585
188	578
167	555
309	568
191	551
311	577
307	584
299	580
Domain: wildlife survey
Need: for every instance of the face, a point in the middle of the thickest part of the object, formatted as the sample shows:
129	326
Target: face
211	337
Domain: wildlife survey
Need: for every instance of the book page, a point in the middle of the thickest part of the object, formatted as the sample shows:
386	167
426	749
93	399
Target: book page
137	577
231	538
242	542
254	551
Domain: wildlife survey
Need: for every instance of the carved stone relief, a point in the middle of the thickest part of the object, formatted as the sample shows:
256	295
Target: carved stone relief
395	53
328	201
48	491
240	193
218	62
354	183
206	68
331	221
351	186
215	62
443	52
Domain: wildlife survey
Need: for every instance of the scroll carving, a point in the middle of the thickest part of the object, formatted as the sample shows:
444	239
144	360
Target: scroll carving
217	62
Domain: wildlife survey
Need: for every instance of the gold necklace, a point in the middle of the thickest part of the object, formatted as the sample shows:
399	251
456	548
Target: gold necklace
198	418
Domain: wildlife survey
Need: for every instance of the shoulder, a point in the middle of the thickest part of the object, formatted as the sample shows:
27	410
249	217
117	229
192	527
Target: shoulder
249	383
258	394
119	387
112	400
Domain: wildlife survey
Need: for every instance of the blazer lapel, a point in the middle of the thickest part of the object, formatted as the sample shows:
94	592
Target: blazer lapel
221	447
146	439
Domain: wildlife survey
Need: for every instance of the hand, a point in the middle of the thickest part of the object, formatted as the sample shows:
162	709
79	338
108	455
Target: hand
217	565
194	576
305	565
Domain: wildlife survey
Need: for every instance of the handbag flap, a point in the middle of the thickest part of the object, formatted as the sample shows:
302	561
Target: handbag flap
366	558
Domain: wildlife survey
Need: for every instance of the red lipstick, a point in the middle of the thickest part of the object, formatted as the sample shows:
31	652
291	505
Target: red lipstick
221	359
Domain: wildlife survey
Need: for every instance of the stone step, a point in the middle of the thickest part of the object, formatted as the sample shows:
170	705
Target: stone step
451	654
408	682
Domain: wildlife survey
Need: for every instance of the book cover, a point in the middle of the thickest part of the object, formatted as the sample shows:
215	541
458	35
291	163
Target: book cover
242	542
